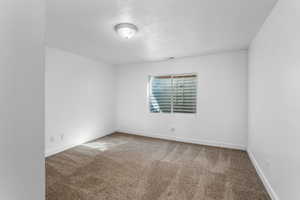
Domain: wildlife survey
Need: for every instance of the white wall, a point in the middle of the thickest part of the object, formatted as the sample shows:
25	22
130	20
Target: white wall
79	100
22	99
274	103
221	117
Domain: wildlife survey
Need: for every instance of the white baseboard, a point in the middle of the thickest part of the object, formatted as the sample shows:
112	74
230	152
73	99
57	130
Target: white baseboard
59	149
262	176
66	147
186	140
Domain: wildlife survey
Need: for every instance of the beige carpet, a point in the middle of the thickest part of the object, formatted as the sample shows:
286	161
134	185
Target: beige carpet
122	166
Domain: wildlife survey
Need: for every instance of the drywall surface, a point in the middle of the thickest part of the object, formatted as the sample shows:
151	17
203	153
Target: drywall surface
79	100
221	117
274	100
22	166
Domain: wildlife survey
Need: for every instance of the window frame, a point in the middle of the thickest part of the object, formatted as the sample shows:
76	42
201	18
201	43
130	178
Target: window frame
171	75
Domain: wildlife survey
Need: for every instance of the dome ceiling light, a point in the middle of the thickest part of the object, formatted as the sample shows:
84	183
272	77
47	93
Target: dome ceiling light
126	30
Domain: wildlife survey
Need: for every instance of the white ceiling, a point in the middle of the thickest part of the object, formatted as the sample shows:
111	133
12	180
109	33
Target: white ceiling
166	27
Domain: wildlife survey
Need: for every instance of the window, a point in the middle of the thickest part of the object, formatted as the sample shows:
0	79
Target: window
173	93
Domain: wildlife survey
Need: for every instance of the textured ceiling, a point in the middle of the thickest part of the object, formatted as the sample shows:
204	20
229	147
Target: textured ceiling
167	28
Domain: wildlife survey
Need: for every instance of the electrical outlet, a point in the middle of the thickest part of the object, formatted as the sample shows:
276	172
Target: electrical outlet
268	163
51	139
62	136
172	129
268	166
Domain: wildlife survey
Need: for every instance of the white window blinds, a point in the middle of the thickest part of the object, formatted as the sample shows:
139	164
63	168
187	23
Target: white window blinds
160	94
173	93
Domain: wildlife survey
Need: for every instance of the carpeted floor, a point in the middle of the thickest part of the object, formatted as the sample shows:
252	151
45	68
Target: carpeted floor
127	167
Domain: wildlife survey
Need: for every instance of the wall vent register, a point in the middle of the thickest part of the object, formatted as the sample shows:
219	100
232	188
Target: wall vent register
173	93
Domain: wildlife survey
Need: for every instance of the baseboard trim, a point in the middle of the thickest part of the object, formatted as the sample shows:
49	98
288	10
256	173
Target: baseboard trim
59	149
179	139
66	147
262	176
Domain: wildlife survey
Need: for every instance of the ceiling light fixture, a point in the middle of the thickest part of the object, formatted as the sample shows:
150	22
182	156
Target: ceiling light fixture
126	30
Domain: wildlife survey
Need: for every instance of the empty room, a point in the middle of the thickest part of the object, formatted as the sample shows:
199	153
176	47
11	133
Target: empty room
149	100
